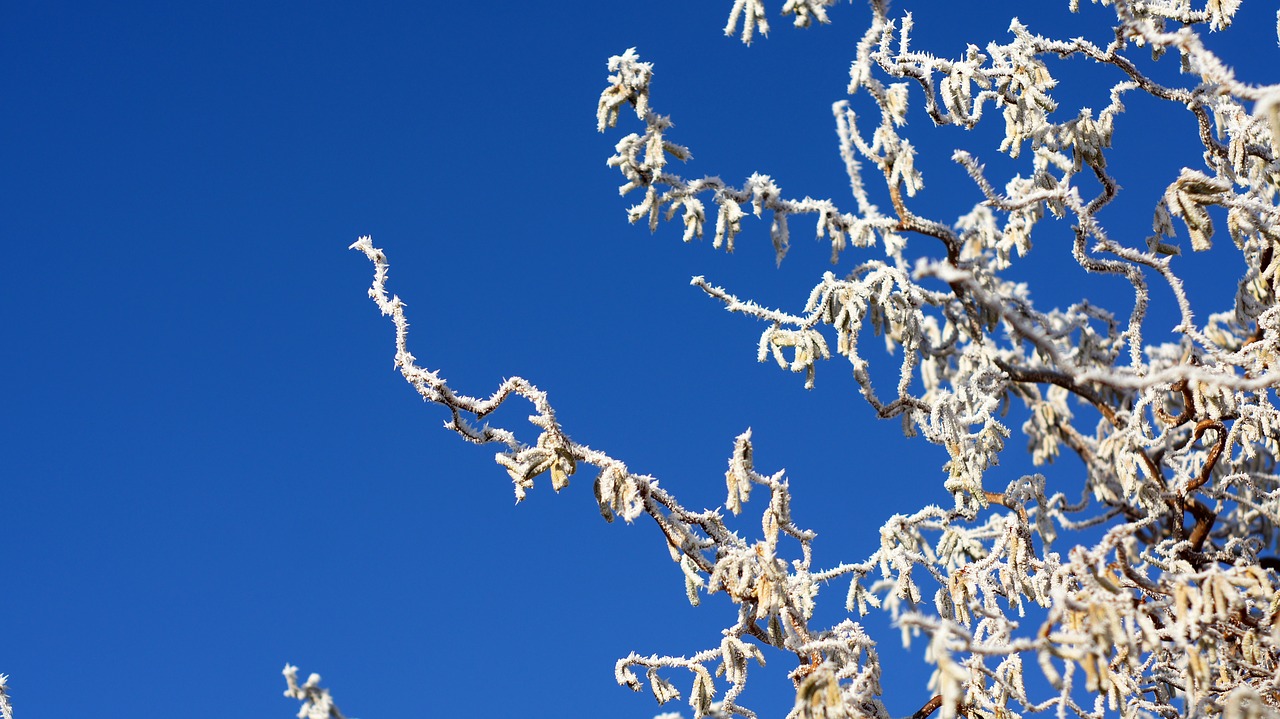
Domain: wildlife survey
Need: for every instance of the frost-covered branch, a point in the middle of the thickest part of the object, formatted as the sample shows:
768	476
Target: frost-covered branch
775	597
1154	591
966	353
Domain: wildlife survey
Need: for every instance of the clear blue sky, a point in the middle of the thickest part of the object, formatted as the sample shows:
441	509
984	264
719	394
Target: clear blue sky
209	466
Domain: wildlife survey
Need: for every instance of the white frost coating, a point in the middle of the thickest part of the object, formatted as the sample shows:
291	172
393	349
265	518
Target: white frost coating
316	702
1175	610
6	709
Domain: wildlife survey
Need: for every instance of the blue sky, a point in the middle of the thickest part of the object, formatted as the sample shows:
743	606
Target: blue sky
210	467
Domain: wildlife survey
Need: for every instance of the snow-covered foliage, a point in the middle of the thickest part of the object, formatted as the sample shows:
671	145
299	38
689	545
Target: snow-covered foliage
6	711
1157	589
316	702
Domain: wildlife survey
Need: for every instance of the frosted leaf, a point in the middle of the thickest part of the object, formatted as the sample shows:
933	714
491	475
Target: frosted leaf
728	223
752	14
628	84
1186	198
806	11
1221	12
693	581
663	690
618	493
6	709
739	476
903	169
819	697
702	694
625	677
1268	107
694	217
316	701
896	102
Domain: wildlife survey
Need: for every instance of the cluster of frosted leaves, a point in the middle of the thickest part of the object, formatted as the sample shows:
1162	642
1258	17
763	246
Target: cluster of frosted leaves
316	702
1175	610
6	709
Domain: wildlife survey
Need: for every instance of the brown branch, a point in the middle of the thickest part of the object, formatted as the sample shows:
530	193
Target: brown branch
1072	438
909	222
1218	446
1188	405
1002	500
1044	376
930	707
1205	518
1127	569
1264	263
1019	374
